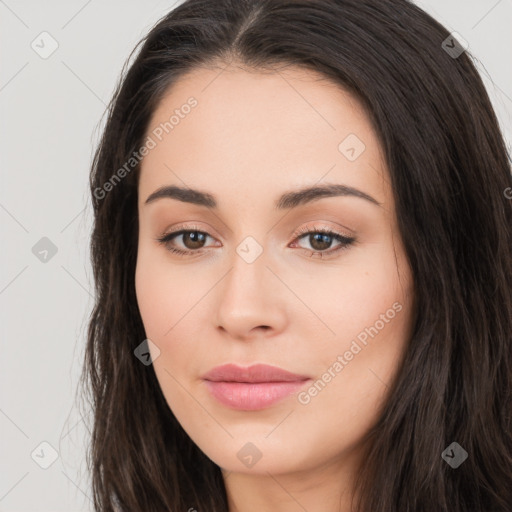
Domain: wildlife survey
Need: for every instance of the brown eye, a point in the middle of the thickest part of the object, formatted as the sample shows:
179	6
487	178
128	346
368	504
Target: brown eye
320	241
192	241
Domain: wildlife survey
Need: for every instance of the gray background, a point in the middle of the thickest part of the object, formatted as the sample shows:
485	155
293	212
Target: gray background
51	117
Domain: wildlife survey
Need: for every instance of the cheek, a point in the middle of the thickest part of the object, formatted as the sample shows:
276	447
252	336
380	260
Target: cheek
170	302
367	305
351	296
164	293
150	292
163	308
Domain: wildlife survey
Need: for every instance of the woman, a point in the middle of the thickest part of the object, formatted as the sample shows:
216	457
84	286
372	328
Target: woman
303	260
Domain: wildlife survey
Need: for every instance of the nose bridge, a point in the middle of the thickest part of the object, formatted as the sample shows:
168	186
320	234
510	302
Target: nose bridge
248	276
245	299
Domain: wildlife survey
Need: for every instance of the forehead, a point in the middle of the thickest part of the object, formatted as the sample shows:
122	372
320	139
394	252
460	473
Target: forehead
256	131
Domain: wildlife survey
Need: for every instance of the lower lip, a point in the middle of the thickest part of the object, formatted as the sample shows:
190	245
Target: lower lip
252	396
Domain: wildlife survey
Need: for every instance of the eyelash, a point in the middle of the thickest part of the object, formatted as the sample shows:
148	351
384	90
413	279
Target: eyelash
345	241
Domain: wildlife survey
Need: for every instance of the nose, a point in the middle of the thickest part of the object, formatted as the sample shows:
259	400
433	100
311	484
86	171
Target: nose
251	300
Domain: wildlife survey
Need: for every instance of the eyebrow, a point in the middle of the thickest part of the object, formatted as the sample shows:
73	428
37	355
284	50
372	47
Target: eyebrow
288	200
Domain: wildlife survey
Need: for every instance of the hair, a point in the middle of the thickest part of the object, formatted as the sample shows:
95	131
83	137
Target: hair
449	172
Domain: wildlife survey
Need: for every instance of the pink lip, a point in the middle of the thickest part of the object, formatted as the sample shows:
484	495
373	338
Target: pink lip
252	388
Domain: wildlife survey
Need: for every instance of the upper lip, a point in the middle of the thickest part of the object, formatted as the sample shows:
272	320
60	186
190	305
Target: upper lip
255	373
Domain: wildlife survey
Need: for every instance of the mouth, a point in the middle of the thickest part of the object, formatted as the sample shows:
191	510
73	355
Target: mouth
252	388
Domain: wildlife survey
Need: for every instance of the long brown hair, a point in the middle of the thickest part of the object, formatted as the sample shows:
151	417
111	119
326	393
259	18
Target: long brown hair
450	175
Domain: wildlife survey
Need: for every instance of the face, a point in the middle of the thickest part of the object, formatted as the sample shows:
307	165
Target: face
314	283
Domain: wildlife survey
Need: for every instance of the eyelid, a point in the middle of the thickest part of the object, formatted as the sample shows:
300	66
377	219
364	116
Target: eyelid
179	230
302	230
308	228
344	239
188	227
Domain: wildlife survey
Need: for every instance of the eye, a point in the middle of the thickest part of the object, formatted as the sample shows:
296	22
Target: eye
192	239
320	240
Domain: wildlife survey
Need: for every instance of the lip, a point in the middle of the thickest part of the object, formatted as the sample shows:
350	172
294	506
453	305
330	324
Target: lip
252	388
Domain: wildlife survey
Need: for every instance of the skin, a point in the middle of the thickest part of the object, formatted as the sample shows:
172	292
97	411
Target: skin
253	136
